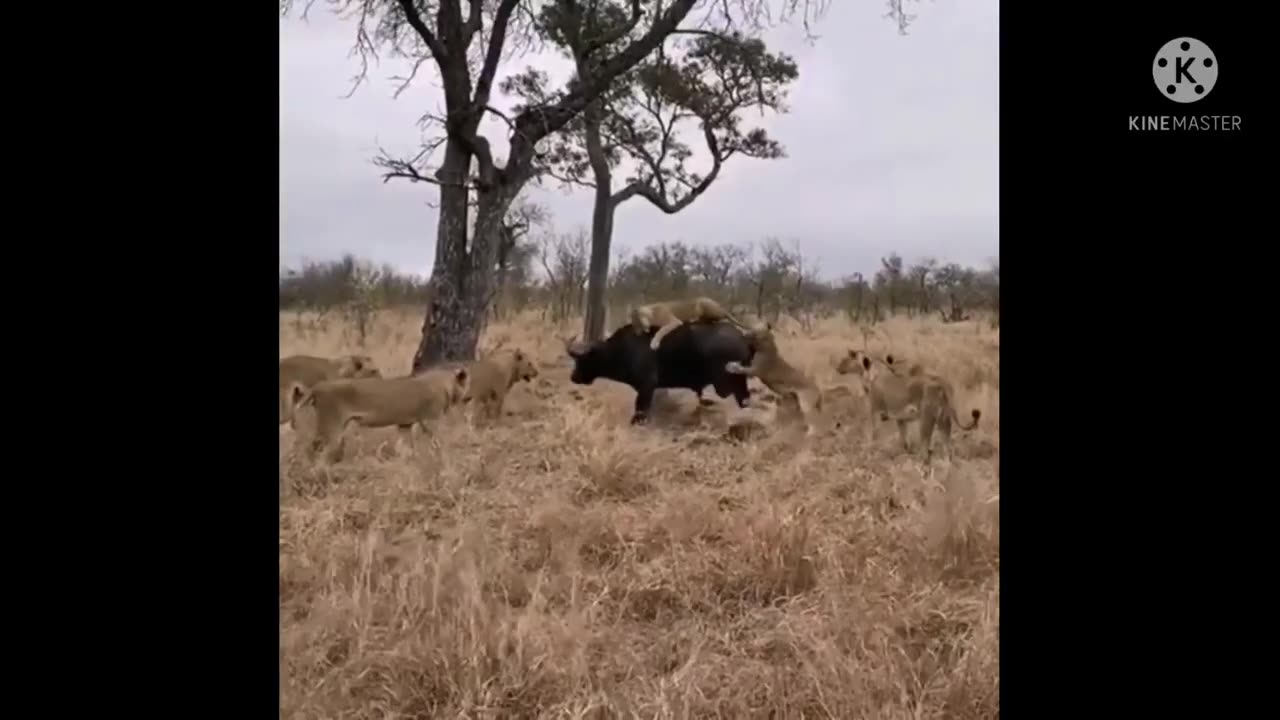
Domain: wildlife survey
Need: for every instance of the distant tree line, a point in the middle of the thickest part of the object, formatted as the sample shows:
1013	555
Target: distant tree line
324	285
548	271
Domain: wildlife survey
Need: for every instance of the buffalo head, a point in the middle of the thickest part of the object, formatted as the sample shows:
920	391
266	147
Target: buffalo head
590	360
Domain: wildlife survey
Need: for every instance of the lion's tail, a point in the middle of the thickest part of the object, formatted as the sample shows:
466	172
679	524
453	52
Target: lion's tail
955	417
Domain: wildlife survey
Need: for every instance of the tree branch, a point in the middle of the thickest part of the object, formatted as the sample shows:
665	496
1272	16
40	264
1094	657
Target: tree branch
538	122
412	17
567	180
473	21
493	55
898	15
659	200
703	33
654	107
610	38
479	146
510	123
464	122
475	144
364	47
404	81
635	144
407	169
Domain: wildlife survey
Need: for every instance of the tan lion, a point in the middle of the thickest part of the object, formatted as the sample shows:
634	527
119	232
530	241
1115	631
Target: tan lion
906	396
851	364
492	377
382	402
670	314
780	376
301	372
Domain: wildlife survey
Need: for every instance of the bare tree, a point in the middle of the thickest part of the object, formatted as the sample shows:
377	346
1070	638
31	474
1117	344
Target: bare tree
444	33
659	270
855	288
888	281
988	287
956	284
768	274
918	276
713	267
804	290
513	253
564	259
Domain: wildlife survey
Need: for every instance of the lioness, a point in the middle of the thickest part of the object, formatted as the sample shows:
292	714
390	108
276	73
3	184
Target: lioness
778	375
494	376
301	372
670	314
851	364
915	395
381	402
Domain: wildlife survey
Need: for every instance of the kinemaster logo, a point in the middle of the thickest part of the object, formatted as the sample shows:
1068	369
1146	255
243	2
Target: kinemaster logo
1185	71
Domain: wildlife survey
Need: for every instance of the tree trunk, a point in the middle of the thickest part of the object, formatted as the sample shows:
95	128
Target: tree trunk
598	273
462	280
505	246
601	228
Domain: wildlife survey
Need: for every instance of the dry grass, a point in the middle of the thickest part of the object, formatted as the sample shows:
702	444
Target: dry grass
564	564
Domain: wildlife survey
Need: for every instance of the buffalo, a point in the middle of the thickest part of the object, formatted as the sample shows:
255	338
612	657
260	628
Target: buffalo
692	357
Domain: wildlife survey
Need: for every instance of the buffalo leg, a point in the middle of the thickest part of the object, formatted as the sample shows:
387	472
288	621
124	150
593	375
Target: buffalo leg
644	400
737	386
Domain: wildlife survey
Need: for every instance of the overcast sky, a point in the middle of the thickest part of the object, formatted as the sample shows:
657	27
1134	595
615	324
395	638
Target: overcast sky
891	143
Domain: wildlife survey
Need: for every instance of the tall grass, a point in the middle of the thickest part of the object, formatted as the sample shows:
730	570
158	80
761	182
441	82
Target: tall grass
564	564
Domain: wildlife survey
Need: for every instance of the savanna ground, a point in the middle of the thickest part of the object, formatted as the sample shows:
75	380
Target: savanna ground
565	564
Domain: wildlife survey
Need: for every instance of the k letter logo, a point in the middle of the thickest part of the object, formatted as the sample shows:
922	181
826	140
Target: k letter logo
1185	70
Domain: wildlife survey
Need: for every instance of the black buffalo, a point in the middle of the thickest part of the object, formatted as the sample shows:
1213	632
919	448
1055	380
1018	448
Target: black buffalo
692	357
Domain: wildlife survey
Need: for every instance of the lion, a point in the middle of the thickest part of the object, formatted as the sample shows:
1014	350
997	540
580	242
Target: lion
851	364
778	375
494	376
916	395
670	314
382	402
301	372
